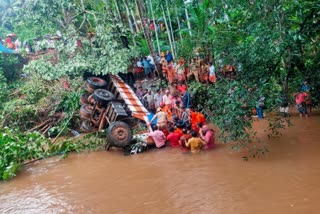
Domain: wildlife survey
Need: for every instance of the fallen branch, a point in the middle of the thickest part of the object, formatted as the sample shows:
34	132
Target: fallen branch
46	130
40	125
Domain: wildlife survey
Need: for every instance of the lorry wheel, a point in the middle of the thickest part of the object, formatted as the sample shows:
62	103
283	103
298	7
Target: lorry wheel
87	126
103	96
86	111
84	99
88	88
96	82
119	134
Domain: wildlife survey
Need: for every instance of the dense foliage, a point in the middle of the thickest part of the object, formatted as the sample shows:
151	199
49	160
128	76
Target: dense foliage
17	149
103	47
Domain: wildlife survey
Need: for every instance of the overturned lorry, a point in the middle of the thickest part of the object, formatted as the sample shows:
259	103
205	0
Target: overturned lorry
111	104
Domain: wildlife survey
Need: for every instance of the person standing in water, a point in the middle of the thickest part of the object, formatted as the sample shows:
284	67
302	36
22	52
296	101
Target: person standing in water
195	143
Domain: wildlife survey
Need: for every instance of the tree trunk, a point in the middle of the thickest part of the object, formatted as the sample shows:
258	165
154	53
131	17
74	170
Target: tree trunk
135	21
130	23
124	39
118	10
175	9
145	31
171	30
168	31
188	21
154	22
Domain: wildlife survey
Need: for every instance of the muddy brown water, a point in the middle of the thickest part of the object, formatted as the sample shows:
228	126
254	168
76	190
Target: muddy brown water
169	181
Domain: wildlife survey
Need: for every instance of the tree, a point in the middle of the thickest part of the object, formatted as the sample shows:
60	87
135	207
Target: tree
104	48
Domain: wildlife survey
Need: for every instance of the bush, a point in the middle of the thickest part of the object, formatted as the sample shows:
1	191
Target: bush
17	148
10	66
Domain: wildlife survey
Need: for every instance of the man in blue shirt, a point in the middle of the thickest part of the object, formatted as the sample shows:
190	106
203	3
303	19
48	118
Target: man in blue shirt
186	99
169	57
305	87
147	67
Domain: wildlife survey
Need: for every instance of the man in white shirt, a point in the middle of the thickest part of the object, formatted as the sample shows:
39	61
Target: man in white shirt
151	62
212	74
139	64
150	59
157	99
167	99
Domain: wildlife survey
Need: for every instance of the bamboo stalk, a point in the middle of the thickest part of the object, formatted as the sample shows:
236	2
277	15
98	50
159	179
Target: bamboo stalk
165	22
135	21
175	9
145	31
118	10
188	21
154	22
171	31
130	23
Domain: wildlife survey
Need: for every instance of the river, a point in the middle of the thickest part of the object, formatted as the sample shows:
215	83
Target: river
170	181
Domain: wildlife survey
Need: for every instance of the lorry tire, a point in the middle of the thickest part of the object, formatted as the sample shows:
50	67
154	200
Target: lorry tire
119	134
86	111
84	99
87	126
96	82
103	96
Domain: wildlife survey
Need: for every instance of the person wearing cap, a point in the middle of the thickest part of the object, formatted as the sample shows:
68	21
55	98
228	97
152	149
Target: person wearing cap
208	136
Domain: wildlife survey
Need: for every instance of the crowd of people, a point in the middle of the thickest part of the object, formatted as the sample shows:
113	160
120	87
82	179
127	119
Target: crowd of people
35	46
173	119
201	70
